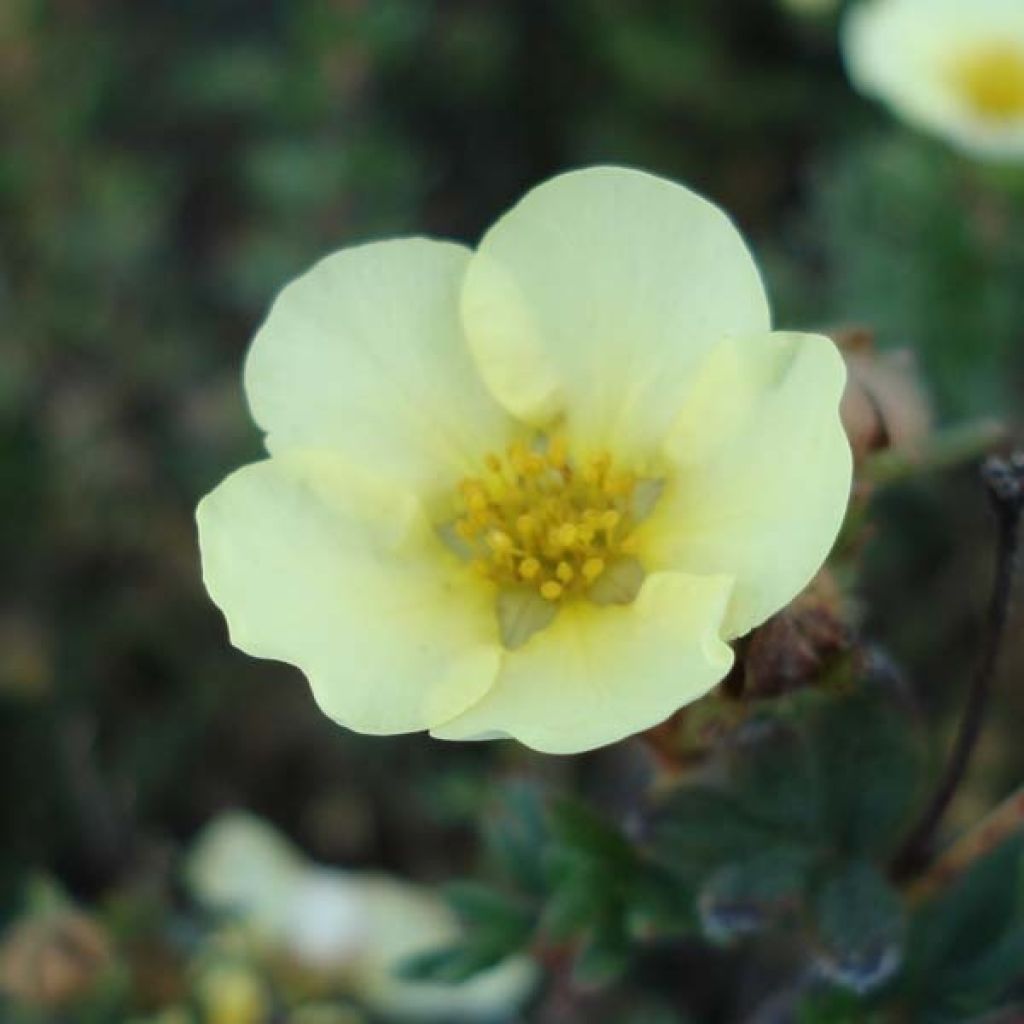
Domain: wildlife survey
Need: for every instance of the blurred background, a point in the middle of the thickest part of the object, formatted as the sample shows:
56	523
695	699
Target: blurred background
167	165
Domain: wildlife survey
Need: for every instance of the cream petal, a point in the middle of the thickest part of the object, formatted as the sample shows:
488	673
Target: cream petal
762	472
317	566
597	295
598	674
364	354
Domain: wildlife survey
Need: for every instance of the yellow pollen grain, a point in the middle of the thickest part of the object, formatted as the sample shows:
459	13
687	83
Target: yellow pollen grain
526	525
499	541
535	518
529	568
611	519
566	534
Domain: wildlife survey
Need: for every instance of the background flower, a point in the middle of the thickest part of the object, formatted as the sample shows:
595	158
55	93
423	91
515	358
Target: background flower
953	68
344	932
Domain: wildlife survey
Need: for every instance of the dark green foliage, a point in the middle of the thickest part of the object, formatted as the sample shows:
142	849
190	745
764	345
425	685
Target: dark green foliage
789	841
859	927
566	880
966	948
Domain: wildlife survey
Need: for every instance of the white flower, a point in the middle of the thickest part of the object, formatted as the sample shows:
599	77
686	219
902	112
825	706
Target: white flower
952	67
353	928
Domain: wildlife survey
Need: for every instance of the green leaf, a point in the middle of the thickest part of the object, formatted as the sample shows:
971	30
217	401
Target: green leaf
699	828
870	767
966	947
660	903
571	908
777	781
602	959
982	982
517	840
485	909
860	926
967	919
746	897
581	829
452	964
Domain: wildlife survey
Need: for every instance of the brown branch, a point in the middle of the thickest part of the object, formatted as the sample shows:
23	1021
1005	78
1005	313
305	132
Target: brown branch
1004	479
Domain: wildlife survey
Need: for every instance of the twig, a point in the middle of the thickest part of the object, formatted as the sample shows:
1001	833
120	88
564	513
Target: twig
996	828
1004	479
949	447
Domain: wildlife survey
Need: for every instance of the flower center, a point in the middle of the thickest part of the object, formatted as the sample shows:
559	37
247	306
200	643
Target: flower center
536	519
991	79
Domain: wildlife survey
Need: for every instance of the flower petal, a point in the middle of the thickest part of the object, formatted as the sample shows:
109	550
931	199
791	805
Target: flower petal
598	674
315	566
762	475
597	295
364	354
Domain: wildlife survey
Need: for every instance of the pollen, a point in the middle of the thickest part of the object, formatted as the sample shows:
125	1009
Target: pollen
991	80
537	518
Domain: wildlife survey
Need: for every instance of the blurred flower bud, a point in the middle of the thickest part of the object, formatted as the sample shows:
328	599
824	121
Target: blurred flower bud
796	646
351	930
53	959
233	994
406	920
884	405
241	865
326	926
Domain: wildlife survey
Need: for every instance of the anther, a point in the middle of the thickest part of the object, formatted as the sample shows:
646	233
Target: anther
528	568
551	590
499	541
610	518
592	568
566	534
526	525
564	572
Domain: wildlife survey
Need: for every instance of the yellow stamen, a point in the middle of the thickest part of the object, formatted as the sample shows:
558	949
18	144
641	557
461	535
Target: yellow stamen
536	518
529	568
990	78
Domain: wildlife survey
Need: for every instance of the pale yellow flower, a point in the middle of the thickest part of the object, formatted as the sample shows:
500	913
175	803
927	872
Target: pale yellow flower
351	931
535	489
952	67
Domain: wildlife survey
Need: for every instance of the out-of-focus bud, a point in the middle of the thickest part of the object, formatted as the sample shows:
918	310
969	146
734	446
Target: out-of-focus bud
53	959
348	931
796	646
241	866
406	920
884	405
233	994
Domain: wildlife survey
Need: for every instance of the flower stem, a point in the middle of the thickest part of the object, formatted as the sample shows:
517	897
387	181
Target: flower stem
1004	479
